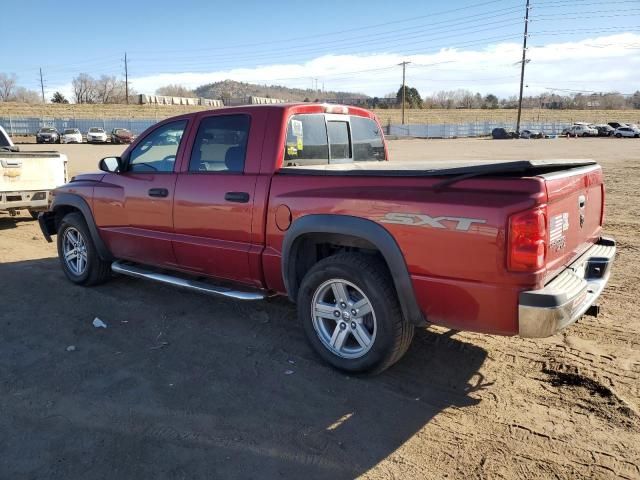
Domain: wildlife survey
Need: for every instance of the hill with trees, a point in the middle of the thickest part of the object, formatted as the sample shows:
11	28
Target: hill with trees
234	89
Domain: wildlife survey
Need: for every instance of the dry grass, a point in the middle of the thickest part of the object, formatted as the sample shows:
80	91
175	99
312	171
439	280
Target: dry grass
159	112
529	115
53	110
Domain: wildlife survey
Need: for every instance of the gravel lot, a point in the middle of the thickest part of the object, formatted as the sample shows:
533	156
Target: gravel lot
187	386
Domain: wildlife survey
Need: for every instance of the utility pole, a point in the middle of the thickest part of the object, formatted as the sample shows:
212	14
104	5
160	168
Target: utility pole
42	85
404	88
524	62
126	78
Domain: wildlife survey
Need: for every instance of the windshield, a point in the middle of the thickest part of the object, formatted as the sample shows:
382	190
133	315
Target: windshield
122	131
47	130
96	130
69	131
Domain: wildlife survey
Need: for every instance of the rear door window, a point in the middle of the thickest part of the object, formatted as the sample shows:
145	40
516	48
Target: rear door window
221	144
306	141
368	144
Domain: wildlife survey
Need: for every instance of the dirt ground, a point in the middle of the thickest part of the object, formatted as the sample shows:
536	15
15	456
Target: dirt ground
187	386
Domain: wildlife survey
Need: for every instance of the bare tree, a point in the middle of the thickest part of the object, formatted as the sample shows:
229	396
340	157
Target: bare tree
175	91
105	88
24	95
466	99
84	88
612	101
444	99
7	86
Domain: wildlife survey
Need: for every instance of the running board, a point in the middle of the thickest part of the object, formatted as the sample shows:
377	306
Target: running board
138	271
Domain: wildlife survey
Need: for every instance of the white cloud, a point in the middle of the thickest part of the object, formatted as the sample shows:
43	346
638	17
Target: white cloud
601	63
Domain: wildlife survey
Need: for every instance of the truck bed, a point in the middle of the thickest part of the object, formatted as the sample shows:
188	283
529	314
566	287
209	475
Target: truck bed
437	168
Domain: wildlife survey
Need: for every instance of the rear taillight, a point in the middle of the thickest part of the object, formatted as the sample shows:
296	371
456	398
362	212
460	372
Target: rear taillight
602	205
527	240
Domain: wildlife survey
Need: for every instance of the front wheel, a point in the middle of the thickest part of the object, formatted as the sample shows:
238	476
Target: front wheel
618	135
350	312
77	253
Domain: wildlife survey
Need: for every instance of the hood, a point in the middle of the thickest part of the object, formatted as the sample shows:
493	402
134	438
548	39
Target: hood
88	177
97	134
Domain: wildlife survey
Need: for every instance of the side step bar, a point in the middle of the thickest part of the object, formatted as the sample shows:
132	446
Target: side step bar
138	271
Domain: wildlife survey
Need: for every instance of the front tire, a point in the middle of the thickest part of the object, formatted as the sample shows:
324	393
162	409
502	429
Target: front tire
350	312
77	253
618	135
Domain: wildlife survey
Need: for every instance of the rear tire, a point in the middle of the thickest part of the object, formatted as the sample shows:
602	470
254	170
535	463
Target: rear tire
82	265
34	214
363	332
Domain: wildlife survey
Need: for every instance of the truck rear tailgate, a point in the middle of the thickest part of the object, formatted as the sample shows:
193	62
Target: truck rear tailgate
575	203
31	171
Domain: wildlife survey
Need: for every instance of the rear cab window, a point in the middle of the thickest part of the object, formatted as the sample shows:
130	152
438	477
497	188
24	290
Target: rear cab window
322	139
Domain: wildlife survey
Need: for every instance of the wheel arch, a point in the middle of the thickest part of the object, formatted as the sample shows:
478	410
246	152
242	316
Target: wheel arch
65	203
298	253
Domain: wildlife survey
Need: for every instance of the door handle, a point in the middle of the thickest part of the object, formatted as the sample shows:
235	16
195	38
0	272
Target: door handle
158	192
238	197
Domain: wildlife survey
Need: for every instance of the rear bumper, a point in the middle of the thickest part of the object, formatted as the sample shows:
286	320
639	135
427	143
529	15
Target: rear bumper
35	200
544	312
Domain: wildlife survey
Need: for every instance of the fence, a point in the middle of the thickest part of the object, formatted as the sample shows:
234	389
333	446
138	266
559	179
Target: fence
29	126
474	129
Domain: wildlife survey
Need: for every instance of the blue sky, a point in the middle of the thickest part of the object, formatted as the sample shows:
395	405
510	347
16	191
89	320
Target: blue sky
348	45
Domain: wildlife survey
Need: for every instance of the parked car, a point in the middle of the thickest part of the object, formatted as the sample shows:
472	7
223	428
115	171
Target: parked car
605	130
47	135
96	135
510	248
121	135
627	132
531	134
502	134
71	135
582	130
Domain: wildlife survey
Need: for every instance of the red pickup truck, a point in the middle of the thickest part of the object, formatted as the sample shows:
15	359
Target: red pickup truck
299	200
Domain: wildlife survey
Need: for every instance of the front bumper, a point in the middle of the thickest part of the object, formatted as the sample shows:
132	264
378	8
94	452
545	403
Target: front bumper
544	312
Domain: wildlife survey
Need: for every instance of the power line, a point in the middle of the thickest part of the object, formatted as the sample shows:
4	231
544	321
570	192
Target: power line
404	87
126	77
338	32
42	85
587	91
524	62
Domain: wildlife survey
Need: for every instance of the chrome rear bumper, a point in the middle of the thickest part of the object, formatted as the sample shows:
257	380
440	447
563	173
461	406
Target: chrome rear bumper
544	312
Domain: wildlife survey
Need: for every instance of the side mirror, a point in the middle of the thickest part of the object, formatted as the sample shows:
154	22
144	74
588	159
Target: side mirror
110	164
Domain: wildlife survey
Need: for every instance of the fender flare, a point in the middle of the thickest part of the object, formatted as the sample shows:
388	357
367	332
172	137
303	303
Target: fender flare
355	227
79	203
